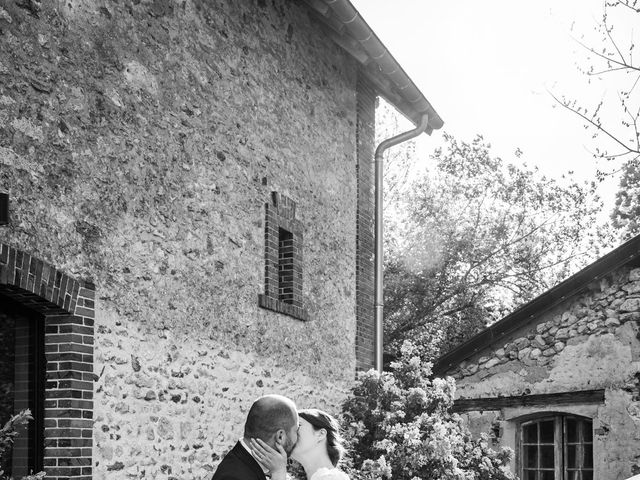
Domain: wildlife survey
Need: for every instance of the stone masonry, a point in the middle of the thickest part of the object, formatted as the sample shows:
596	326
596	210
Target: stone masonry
139	143
612	312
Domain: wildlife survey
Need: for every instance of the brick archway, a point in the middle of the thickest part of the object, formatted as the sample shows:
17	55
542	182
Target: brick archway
67	305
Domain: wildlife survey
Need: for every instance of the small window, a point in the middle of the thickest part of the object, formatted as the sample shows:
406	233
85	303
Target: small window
283	259
285	266
558	447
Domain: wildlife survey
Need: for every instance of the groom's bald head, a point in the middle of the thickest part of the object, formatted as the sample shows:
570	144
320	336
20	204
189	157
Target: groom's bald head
271	417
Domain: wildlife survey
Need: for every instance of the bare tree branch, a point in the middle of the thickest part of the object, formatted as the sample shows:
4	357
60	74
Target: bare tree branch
623	63
597	125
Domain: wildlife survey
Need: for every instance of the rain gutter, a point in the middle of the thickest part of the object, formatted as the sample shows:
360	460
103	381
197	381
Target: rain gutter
347	28
411	101
379	232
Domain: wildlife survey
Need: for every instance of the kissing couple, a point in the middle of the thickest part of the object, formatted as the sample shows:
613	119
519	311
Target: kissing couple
274	431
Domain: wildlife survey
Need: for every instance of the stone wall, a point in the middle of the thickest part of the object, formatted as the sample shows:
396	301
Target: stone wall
139	142
588	342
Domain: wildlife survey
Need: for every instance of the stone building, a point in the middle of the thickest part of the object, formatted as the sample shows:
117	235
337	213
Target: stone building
190	191
558	380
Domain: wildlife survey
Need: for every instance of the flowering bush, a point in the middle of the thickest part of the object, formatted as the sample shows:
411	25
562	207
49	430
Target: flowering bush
7	434
399	425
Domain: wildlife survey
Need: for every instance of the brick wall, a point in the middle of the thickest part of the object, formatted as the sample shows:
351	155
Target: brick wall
365	333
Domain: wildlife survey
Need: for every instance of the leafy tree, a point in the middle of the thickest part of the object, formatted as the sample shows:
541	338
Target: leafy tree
472	238
614	121
399	425
626	213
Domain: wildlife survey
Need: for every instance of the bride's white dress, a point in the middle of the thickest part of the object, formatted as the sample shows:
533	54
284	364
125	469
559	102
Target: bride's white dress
329	474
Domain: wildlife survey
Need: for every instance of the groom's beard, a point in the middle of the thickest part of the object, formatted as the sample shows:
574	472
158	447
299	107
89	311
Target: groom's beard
288	446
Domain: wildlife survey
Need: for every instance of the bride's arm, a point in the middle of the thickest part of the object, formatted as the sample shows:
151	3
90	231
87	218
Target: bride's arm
273	460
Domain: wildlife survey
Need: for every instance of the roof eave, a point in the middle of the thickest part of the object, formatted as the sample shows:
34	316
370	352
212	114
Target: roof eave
346	27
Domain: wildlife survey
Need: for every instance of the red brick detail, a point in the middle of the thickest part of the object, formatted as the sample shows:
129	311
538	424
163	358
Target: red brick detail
43	287
68	407
365	246
283	259
68	307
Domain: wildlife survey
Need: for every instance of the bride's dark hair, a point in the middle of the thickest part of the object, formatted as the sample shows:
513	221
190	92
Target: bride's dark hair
319	420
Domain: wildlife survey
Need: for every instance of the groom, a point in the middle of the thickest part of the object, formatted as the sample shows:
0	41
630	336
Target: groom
272	418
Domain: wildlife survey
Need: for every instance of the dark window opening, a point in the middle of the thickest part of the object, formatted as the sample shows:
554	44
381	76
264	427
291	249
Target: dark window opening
22	377
557	448
285	266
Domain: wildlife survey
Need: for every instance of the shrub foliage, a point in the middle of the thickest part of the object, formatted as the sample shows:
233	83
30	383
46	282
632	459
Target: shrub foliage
399	425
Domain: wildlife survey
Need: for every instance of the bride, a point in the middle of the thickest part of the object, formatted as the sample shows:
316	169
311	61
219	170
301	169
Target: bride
318	450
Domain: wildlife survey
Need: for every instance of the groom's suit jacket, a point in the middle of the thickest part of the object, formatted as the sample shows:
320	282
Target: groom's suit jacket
238	464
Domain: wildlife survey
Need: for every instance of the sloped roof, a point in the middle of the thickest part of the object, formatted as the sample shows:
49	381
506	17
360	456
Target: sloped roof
346	27
627	253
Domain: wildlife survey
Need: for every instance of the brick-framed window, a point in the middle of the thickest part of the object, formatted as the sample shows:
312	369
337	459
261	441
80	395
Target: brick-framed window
283	259
65	308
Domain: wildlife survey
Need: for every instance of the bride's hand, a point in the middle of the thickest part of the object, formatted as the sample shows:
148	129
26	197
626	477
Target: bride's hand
273	460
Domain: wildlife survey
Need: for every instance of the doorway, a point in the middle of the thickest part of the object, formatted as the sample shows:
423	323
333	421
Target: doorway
22	382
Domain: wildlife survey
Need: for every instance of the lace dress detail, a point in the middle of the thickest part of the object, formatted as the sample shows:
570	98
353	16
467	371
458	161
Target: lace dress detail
329	474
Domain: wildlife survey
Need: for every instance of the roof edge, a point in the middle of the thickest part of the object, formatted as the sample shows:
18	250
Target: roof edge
570	287
348	29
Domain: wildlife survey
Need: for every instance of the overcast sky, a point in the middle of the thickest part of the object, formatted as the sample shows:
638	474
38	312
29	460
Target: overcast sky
487	68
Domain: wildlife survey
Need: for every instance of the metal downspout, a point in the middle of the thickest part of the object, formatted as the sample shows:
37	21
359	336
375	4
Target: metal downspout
379	291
